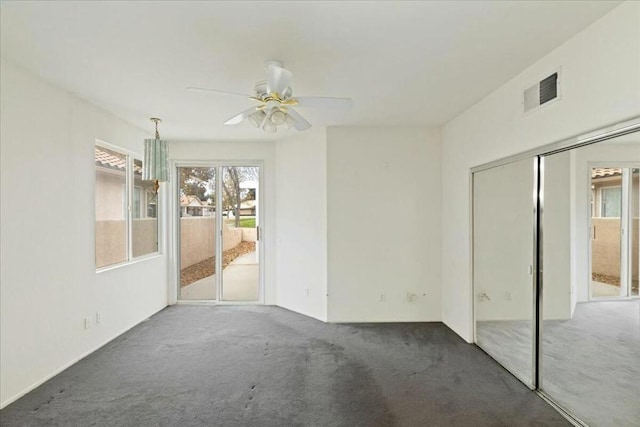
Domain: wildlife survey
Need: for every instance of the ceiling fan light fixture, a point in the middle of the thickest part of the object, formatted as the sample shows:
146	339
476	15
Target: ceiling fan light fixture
269	127
278	117
257	118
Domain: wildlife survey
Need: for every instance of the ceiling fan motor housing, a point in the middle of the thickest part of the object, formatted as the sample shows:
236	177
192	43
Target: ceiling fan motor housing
260	90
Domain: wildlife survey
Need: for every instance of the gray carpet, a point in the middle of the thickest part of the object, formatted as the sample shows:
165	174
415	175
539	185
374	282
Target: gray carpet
591	363
266	366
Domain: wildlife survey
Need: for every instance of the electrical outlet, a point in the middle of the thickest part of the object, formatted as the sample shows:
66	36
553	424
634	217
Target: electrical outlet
381	298
411	297
99	317
87	323
507	295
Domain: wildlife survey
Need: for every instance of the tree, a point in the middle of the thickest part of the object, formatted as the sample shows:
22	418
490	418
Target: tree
199	182
233	194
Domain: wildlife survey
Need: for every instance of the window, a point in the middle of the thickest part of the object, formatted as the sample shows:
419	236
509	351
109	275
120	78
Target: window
145	220
611	202
126	224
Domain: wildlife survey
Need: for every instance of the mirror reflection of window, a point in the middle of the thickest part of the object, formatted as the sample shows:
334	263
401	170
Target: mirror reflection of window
611	202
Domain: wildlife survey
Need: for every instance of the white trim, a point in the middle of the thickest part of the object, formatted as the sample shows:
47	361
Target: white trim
471	257
128	211
218	230
625	241
137	260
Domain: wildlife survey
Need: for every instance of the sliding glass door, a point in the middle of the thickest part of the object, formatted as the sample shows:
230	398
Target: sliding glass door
218	230
197	232
240	261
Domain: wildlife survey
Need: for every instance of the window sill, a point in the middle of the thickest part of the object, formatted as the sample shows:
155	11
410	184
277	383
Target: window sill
137	260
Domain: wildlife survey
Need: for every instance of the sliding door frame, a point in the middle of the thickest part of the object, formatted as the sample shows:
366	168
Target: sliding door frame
174	263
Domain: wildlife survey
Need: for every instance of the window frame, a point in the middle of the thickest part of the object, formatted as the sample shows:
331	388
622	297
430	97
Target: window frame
130	157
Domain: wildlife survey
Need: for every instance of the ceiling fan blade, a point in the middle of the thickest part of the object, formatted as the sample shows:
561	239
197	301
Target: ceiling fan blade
240	117
223	92
301	123
343	104
278	79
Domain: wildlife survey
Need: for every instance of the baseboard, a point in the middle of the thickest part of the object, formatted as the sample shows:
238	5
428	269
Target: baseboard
346	320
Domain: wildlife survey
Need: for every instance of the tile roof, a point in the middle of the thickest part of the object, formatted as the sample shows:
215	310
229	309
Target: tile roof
603	172
191	201
109	159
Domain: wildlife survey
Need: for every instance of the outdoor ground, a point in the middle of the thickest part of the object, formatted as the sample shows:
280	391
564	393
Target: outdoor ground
206	268
614	280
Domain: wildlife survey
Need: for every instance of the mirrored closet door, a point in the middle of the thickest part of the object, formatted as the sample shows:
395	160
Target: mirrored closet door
503	265
590	330
555	273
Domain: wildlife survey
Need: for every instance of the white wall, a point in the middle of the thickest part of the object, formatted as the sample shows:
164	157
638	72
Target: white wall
212	151
600	86
383	201
48	278
301	205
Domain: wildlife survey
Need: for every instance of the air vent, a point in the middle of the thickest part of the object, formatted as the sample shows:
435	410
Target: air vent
542	92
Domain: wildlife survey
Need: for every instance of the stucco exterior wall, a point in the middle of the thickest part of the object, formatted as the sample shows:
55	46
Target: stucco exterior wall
110	197
198	240
111	240
145	236
605	247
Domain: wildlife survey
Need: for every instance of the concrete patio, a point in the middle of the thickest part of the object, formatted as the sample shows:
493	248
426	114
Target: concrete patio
240	282
599	289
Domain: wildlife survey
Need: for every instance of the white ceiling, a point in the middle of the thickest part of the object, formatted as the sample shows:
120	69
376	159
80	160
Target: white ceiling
403	63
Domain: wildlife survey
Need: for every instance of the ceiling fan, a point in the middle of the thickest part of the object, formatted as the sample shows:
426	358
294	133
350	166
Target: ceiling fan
275	101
